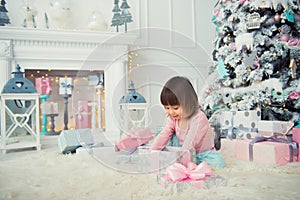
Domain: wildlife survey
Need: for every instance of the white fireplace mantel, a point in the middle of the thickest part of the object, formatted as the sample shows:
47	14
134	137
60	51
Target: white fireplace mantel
61	48
76	36
69	50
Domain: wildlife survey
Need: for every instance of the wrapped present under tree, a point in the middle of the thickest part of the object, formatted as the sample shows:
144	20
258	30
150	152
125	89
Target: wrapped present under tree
277	128
264	150
239	124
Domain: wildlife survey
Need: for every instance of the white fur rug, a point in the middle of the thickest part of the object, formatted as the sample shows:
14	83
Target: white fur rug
47	174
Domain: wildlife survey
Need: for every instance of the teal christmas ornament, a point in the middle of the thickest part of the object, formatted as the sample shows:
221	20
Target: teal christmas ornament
290	15
221	69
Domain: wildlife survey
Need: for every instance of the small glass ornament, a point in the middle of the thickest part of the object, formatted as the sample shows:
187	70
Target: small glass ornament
97	22
277	17
60	14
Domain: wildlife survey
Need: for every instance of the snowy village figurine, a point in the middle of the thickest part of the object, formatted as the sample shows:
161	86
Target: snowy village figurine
30	13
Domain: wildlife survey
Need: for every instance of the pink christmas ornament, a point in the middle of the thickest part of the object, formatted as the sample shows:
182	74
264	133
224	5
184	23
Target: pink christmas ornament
256	63
241	1
293	42
207	91
232	46
284	37
216	12
293	95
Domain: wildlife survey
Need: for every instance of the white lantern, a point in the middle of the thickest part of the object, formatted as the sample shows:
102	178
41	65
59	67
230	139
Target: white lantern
19	114
133	110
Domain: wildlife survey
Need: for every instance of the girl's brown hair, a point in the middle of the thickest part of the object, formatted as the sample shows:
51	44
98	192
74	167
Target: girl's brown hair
179	91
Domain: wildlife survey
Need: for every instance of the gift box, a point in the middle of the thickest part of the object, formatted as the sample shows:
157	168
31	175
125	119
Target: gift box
226	119
246	119
43	85
228	147
278	128
95	79
65	86
83	116
240	119
49	108
70	140
134	139
266	152
197	176
156	161
239	124
296	134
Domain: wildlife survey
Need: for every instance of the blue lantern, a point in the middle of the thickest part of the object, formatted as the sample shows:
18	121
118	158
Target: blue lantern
19	84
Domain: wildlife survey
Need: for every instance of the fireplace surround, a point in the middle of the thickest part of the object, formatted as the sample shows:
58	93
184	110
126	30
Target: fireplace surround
46	49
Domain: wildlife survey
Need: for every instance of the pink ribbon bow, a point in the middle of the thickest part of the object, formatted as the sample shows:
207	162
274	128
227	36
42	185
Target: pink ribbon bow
178	172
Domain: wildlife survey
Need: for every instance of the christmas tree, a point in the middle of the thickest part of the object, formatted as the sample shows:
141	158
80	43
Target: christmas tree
255	59
4	19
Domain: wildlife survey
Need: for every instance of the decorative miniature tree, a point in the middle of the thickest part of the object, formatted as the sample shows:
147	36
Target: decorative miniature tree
4	19
117	19
125	14
121	16
256	59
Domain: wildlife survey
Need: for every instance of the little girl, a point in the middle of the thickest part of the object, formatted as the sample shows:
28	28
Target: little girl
187	124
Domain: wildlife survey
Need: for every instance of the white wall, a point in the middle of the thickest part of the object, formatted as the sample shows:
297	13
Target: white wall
175	39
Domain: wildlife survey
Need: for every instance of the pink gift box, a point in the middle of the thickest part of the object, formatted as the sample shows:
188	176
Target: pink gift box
134	139
83	116
296	134
43	85
198	176
273	153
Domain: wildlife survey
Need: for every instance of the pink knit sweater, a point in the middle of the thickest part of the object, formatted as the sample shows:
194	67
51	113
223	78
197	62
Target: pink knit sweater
198	134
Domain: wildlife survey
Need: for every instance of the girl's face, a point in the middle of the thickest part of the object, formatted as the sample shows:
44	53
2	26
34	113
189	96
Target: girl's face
174	111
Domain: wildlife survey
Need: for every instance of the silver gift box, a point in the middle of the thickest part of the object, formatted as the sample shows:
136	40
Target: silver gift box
70	140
